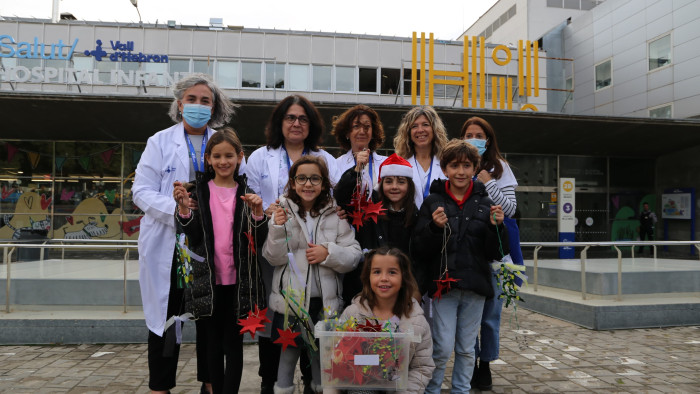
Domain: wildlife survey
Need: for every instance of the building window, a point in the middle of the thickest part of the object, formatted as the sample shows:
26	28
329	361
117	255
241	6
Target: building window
227	74
368	80
664	111
250	75
660	52
322	77
344	79
105	71
569	89
274	75
603	74
299	77
390	80
82	63
203	66
181	66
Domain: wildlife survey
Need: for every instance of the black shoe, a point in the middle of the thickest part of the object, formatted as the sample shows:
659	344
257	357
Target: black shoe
203	389
483	381
267	387
308	389
475	374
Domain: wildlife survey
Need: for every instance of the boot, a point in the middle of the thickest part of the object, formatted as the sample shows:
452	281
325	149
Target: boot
472	383
483	381
308	386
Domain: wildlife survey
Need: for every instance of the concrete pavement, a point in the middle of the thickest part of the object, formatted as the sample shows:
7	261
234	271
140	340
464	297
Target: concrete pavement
538	355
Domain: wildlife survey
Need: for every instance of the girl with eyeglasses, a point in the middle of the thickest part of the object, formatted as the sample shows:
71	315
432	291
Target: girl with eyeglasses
294	130
310	247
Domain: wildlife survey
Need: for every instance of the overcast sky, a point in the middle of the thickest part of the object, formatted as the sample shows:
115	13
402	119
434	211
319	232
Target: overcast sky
446	18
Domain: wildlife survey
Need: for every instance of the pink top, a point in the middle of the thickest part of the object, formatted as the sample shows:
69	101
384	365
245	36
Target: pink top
222	204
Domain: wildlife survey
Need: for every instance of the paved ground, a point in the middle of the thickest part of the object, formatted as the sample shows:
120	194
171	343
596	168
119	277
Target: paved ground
541	355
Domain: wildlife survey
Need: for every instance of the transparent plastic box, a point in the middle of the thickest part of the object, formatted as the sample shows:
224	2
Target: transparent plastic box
363	360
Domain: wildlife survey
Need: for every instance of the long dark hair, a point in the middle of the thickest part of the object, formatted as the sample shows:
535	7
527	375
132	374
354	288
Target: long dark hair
273	130
408	204
492	157
409	287
323	199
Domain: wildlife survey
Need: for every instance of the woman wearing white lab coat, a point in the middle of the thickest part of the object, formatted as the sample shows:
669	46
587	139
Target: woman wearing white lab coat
173	154
294	129
359	129
420	139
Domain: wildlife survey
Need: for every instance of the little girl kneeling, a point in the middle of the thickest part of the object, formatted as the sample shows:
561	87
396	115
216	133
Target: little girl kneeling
388	294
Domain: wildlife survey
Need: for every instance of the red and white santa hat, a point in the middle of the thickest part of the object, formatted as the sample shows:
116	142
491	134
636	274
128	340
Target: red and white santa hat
395	165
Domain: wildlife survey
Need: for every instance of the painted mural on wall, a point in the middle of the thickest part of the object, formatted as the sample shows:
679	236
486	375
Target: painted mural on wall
91	218
31	214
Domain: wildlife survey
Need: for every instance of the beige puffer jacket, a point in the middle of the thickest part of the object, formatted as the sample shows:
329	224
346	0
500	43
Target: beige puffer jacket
332	232
420	369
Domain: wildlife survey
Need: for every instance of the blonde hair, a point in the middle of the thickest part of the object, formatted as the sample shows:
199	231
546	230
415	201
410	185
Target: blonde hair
402	142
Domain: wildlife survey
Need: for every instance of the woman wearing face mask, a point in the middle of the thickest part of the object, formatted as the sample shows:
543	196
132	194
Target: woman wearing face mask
495	173
173	154
360	132
420	139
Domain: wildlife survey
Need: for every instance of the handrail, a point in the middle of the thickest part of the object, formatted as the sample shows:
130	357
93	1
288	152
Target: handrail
63	244
584	252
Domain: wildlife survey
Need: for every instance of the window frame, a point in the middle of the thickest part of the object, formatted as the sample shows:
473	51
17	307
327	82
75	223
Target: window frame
670	51
595	75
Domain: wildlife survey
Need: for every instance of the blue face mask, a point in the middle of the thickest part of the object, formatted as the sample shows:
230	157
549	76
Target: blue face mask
479	144
196	115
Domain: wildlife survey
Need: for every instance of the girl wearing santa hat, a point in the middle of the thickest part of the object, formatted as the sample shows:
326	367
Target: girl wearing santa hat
395	212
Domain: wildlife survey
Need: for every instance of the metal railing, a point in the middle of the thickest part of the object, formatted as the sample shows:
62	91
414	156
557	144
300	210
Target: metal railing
584	252
9	248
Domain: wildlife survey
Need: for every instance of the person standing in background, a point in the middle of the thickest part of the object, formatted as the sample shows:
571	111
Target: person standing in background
647	221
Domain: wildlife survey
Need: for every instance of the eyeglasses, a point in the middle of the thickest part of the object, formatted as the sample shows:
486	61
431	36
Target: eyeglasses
303	120
314	179
360	126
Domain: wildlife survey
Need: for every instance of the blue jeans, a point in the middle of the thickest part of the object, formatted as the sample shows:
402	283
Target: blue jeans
490	326
456	318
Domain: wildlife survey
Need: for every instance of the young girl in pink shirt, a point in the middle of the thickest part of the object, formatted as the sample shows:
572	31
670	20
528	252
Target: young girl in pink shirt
227	229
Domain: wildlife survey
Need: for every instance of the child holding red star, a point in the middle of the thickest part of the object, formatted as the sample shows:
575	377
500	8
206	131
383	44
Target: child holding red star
217	230
310	247
395	194
458	229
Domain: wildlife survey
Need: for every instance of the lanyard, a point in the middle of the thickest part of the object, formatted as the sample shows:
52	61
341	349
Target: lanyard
426	189
286	155
193	154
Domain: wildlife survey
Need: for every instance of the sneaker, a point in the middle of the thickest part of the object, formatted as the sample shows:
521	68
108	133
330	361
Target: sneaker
483	381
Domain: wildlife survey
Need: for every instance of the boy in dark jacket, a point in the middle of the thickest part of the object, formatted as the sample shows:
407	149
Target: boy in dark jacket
458	232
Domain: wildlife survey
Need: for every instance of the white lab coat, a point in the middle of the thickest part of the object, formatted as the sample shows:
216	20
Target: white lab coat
420	182
164	161
263	172
348	160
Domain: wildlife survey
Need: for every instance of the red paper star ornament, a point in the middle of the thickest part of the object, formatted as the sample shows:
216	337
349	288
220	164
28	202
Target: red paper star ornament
260	314
287	338
374	210
251	242
369	326
250	324
356	218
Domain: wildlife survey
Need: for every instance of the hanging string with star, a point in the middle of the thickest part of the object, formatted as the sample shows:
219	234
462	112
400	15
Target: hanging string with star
256	319
294	302
361	201
444	283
